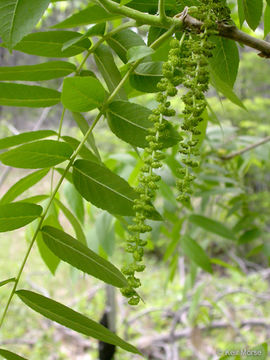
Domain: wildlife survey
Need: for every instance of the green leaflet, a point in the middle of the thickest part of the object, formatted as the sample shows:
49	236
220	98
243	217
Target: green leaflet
105	232
103	188
129	121
37	155
83	125
196	253
225	60
16	215
22	185
150	6
17	18
74	200
50	43
4	282
39	72
267	20
138	52
27	95
85	153
124	40
110	73
80	256
93	14
25	137
241	14
146	76
212	226
82	94
10	355
253	12
96	30
225	89
73	221
67	317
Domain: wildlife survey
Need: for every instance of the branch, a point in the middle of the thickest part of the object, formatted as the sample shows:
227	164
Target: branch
184	20
248	148
233	33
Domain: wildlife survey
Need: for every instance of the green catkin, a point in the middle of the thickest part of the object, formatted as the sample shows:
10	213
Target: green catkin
187	64
196	51
148	179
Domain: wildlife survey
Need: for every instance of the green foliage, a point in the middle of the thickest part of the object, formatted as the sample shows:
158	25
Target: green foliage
27	95
10	355
38	154
78	255
18	18
63	315
103	188
16	215
82	93
170	150
50	44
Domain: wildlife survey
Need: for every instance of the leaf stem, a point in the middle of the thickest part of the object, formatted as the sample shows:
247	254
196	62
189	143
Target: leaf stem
101	40
161	11
58	138
69	165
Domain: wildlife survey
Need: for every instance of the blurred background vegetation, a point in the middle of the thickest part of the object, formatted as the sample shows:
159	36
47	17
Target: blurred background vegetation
229	310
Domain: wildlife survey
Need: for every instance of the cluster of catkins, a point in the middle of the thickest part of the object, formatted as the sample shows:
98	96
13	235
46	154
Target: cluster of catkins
187	64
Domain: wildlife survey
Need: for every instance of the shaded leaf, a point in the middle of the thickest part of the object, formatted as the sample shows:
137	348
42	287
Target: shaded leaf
83	125
146	76
17	18
124	40
110	73
85	153
225	60
82	93
16	215
225	89
138	52
22	185
212	226
105	232
92	14
80	256
75	201
96	30
39	72
196	253
37	155
103	188
27	95
253	12
50	44
267	20
130	123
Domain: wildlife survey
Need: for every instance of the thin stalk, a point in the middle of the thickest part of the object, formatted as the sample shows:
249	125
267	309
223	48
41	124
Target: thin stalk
161	11
58	138
101	40
70	163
